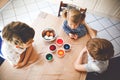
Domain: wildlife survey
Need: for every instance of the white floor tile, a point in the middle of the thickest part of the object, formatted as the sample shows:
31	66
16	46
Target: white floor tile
1	25
113	31
55	14
24	18
104	34
118	26
33	15
54	7
96	25
98	17
32	7
20	10
105	22
41	1
29	1
90	18
18	3
8	13
8	20
42	4
115	21
9	6
47	10
118	40
0	16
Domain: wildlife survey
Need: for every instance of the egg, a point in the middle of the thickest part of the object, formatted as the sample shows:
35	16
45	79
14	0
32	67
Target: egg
46	37
47	33
50	37
51	34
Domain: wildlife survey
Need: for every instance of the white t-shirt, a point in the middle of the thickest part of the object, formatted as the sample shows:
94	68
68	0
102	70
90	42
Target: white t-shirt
95	65
11	53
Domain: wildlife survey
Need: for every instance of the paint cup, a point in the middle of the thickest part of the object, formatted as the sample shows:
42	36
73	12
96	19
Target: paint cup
60	53
66	47
49	57
59	41
52	48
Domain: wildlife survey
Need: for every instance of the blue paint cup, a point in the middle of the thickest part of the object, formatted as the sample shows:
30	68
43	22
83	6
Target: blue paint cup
66	47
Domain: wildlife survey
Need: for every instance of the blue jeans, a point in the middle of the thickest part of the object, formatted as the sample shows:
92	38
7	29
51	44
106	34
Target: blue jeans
1	55
1	60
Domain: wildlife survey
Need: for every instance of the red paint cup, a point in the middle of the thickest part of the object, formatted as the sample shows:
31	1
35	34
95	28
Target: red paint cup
59	41
52	48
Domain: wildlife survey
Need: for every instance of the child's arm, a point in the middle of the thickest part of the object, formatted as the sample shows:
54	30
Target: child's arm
22	56
65	27
64	14
26	57
91	31
79	63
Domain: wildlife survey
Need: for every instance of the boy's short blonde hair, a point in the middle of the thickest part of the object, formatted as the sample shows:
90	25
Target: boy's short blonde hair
19	31
100	49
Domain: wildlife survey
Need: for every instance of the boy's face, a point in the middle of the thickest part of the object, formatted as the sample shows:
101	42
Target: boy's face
23	45
27	44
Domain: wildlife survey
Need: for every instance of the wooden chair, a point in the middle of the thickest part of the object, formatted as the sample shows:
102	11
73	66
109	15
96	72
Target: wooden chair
61	7
65	6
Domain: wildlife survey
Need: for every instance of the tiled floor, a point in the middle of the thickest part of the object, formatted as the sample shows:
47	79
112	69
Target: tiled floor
27	10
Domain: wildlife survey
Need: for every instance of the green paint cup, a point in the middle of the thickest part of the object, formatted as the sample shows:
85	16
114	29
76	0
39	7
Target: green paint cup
49	57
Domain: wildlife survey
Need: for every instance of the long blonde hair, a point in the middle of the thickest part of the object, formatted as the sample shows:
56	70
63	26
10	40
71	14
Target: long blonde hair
76	15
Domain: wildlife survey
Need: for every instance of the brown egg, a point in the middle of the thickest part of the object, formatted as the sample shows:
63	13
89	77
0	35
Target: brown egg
47	33
52	34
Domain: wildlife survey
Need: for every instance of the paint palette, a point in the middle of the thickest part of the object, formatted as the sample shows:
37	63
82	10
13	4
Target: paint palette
59	48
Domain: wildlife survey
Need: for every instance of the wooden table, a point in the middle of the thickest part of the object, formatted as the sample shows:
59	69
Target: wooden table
59	68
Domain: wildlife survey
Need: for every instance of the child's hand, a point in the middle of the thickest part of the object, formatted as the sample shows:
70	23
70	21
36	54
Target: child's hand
71	35
19	65
75	36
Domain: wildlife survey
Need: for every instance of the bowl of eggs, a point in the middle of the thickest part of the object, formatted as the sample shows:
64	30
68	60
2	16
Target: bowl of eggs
49	34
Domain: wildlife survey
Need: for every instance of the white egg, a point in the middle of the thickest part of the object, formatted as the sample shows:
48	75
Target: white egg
50	37
46	37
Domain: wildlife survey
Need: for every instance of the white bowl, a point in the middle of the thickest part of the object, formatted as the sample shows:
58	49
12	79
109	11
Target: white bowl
49	34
